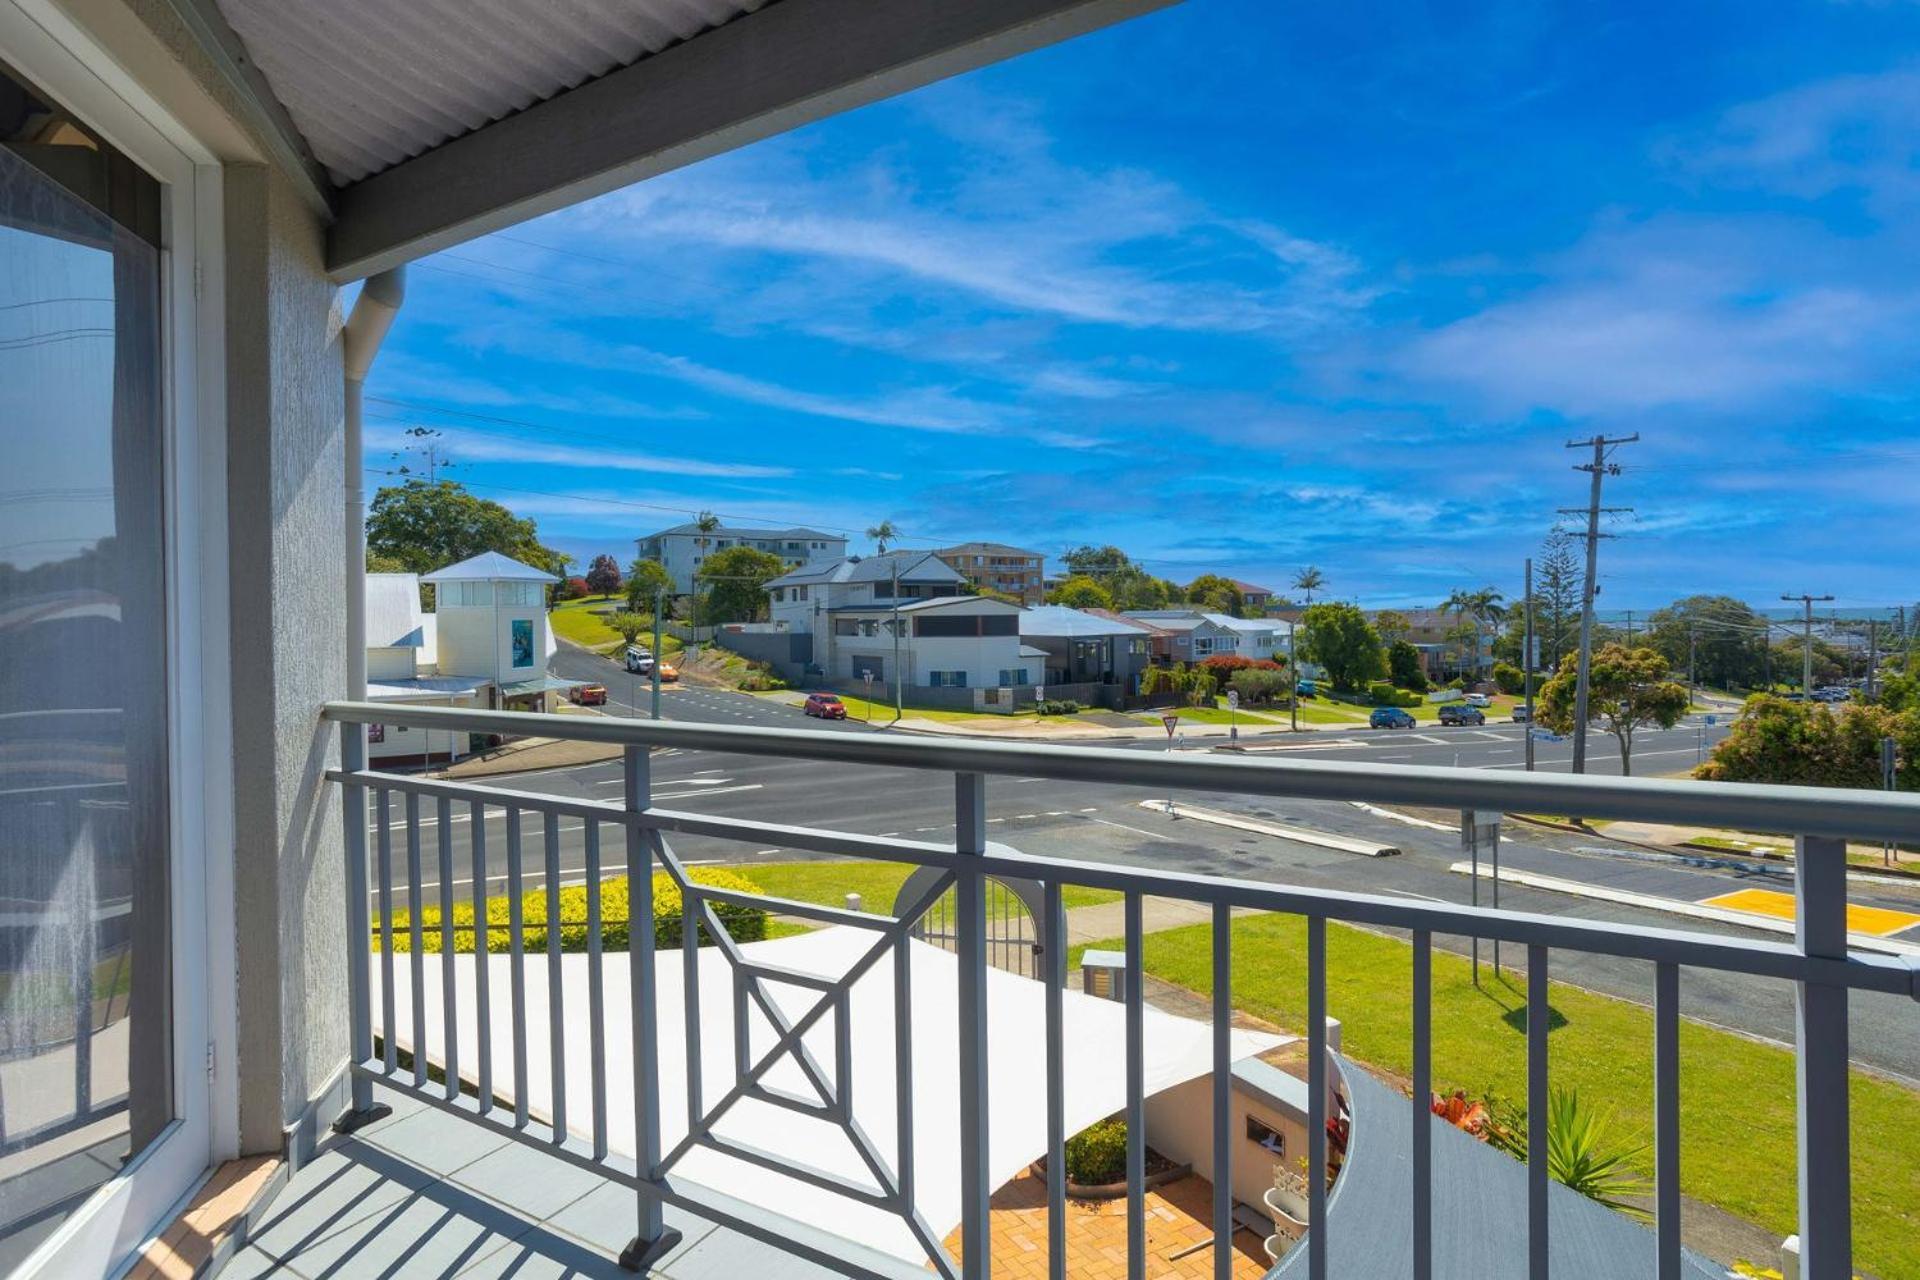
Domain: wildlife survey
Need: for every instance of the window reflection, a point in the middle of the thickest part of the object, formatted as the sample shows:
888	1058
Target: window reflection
84	1080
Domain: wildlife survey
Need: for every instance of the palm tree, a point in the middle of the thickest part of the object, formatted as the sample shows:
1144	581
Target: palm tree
1309	580
882	534
1483	607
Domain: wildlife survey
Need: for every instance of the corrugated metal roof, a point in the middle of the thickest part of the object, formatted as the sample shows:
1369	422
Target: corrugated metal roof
915	566
393	611
1059	621
370	83
489	566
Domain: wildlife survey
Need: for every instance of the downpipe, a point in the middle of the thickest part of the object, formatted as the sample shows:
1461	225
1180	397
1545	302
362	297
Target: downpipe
366	328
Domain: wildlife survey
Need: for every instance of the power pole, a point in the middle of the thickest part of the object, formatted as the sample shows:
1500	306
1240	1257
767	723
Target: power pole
899	697
1693	653
1806	642
1526	659
1293	671
1597	470
1873	653
659	653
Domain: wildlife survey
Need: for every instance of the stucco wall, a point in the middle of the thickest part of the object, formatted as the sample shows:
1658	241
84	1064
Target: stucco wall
285	404
477	640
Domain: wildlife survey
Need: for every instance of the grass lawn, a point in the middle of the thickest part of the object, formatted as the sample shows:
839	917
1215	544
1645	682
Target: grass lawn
1737	1123
880	711
583	622
829	883
1217	715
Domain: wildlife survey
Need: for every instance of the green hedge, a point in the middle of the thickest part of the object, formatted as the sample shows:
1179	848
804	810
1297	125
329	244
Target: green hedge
1059	707
1384	694
1097	1155
745	924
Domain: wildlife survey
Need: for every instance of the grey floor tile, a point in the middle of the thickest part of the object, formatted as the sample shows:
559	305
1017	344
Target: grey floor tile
254	1263
439	1231
337	1188
546	1255
728	1255
438	1142
605	1218
534	1185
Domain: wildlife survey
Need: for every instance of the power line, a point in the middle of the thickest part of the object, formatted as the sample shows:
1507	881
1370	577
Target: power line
1597	471
1806	644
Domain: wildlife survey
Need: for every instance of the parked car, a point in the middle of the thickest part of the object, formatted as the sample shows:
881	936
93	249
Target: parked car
638	659
1478	700
1390	718
588	695
826	706
1458	713
668	673
1521	715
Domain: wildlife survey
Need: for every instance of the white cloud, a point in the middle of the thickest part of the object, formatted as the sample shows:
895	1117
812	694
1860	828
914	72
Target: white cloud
469	445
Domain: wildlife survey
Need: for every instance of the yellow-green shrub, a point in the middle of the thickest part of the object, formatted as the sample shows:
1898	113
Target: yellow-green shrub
745	924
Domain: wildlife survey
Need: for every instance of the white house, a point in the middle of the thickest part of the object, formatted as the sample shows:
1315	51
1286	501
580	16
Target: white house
492	622
1263	639
682	549
804	596
944	642
1186	635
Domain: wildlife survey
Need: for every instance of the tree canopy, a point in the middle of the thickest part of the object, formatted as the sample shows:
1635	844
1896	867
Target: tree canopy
1811	744
603	575
1340	639
422	527
646	580
1219	595
1081	592
1728	640
1127	584
1627	689
735	581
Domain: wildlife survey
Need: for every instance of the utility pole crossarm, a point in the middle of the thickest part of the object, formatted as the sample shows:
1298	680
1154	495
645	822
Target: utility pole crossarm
1597	471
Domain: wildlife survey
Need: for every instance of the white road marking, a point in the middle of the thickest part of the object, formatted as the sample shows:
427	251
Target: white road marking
1139	831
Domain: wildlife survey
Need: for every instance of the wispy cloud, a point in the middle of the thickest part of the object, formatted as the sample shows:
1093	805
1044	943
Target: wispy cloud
473	446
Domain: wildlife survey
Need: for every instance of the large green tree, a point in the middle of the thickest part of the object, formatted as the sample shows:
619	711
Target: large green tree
1081	592
734	582
1212	592
1127	585
1627	690
1340	639
1404	667
646	581
1811	744
1556	586
1726	639
422	527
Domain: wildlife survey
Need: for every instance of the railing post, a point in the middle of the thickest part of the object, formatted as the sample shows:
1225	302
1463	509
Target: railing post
976	1193
353	816
654	1239
1820	1063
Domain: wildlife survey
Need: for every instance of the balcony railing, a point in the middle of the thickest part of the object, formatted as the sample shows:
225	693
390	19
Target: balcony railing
1817	962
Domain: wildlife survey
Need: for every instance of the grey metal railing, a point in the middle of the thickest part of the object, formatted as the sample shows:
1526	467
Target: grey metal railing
1817	962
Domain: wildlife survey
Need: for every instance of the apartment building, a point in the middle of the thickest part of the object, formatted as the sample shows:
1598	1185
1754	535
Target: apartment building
1002	568
685	547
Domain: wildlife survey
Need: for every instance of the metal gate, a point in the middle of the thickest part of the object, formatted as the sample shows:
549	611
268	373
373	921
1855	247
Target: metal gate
1015	937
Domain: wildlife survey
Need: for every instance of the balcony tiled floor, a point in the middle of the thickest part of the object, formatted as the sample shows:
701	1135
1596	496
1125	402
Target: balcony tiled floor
424	1194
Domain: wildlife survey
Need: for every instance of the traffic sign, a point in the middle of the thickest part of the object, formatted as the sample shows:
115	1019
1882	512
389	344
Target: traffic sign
1233	699
1172	721
1712	720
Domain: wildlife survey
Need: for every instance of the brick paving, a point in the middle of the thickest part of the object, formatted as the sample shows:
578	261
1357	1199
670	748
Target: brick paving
1179	1216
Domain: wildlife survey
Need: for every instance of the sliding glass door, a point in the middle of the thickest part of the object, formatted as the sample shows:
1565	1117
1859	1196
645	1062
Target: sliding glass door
86	1049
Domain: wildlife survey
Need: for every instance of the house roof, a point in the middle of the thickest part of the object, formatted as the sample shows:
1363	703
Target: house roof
489	566
986	549
693	530
393	611
1138	624
1060	621
1176	619
914	566
1249	626
1248	588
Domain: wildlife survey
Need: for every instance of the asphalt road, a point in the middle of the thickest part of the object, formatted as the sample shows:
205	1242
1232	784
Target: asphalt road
1104	823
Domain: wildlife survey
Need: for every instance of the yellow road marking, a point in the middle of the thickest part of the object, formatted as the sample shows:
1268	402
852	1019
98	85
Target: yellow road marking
1876	922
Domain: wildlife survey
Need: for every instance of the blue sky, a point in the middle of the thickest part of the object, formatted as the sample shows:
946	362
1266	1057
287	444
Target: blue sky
1242	286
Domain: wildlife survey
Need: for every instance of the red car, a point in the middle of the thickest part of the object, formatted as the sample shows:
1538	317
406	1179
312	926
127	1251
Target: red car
588	695
826	706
